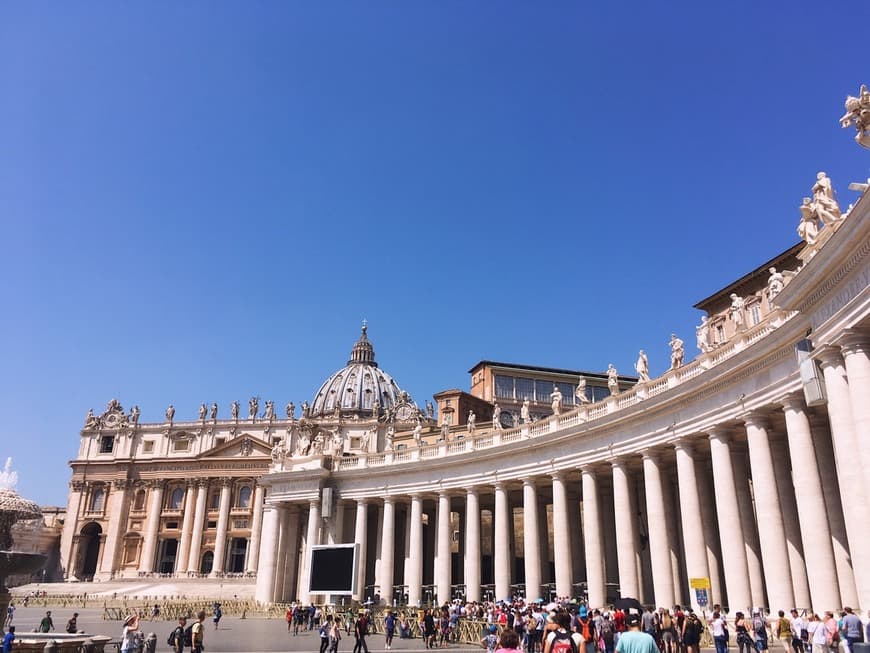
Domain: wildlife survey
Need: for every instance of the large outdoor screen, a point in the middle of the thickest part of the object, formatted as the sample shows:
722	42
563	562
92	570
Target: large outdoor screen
333	569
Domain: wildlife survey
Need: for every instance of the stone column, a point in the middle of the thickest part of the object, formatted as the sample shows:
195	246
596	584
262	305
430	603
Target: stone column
821	435
152	527
660	551
749	526
472	545
335	533
388	546
442	571
186	527
289	571
415	553
360	538
220	542
501	551
625	531
731	535
118	505
285	587
67	540
562	557
256	532
855	348
267	571
690	510
531	540
852	477
593	540
791	526
198	523
774	552
312	538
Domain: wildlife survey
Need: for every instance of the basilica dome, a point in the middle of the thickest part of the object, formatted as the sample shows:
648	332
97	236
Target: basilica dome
359	386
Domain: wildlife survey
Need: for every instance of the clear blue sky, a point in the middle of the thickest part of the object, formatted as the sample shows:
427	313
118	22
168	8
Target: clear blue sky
201	201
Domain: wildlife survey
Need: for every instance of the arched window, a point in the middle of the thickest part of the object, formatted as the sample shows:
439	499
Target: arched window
205	566
176	498
97	500
245	496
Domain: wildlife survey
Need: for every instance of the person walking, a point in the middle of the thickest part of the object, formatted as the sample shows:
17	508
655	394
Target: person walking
335	635
360	630
178	636
8	638
46	624
633	640
720	632
198	633
72	626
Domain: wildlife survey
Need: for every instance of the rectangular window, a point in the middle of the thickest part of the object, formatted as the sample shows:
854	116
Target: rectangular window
597	393
107	444
219	441
214	501
525	389
172	525
543	390
504	387
148	446
181	445
240	524
755	312
720	333
212	525
567	390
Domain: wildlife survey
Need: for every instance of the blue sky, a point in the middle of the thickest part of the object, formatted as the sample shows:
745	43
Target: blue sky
201	201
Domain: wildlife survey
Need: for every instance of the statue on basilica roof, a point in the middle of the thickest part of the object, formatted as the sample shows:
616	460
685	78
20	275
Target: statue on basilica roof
858	114
234	411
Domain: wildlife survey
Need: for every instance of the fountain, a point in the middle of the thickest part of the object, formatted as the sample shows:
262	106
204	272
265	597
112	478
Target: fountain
12	508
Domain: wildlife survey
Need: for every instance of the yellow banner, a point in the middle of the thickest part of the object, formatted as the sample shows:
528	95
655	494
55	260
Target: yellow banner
699	583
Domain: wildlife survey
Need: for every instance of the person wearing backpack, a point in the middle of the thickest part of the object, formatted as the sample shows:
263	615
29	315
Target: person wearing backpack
176	637
587	630
561	639
606	634
197	633
691	632
666	631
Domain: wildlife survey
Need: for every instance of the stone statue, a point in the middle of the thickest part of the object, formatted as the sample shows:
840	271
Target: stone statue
580	391
702	335
775	283
213	414
203	411
170	413
114	406
134	415
445	430
612	379
364	440
303	444
858	113
337	443
418	433
270	410
291	410
306	410
525	414
91	420
496	417
556	398
376	409
389	437
234	410
430	410
736	311
471	422
641	366
824	205
319	441
253	407
279	455
677	351
808	228
515	419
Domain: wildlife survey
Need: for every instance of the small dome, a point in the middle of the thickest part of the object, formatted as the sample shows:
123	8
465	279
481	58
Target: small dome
357	387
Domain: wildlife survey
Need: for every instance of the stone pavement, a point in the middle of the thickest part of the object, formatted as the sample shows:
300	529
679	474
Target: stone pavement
234	635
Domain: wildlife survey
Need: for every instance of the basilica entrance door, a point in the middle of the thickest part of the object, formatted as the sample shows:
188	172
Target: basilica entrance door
90	547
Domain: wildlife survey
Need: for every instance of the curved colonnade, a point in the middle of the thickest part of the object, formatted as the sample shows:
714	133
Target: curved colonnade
716	470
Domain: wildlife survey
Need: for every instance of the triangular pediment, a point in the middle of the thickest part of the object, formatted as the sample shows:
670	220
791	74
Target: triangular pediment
241	446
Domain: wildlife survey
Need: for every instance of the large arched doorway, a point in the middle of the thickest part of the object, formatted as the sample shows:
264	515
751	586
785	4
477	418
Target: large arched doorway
238	549
89	543
166	555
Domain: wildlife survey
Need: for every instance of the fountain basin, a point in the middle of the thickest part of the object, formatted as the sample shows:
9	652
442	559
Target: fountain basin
18	562
65	643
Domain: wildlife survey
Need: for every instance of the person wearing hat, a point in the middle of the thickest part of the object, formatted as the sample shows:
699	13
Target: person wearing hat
129	633
633	640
